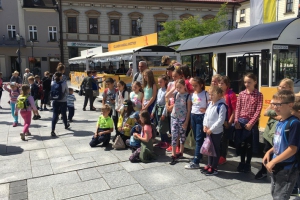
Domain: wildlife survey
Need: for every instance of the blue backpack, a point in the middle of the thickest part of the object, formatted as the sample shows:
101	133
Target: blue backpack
218	110
56	91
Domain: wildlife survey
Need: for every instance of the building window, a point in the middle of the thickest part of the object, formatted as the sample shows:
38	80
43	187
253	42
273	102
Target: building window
0	4
243	11
114	27
134	30
11	30
242	19
72	24
32	33
52	33
93	25
159	26
289	6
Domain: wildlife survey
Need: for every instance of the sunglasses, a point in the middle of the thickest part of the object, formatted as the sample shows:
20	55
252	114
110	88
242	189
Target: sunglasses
279	104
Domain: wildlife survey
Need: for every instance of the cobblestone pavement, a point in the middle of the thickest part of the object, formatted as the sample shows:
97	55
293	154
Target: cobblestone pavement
67	168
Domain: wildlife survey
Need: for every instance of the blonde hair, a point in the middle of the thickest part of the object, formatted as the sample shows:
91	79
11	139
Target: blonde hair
216	89
16	72
288	82
217	76
31	78
106	107
150	76
164	59
25	89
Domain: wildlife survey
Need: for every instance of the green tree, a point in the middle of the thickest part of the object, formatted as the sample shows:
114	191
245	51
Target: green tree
176	30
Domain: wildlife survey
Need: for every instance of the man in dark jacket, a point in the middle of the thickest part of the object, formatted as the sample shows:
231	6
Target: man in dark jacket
47	88
87	85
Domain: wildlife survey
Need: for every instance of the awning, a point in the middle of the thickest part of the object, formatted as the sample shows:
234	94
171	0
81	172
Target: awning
257	33
115	56
77	60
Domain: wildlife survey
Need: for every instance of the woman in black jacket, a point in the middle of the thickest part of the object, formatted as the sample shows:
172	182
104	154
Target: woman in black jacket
46	89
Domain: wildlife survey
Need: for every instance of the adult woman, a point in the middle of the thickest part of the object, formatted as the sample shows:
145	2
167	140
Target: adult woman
165	61
60	69
16	78
60	103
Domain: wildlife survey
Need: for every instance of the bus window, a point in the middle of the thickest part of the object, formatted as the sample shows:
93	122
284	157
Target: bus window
202	67
187	60
222	64
152	61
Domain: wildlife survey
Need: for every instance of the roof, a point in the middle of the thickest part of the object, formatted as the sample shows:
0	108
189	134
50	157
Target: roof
257	33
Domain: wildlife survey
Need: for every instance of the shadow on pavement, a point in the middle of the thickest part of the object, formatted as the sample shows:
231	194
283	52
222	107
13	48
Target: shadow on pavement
13	149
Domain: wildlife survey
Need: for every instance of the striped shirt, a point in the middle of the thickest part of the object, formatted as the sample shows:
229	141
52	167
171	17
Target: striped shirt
70	100
13	94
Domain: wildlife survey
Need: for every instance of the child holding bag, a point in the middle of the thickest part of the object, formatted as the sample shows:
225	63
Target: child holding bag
14	92
214	119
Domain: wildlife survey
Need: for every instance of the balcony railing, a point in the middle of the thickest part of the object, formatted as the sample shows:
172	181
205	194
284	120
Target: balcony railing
11	42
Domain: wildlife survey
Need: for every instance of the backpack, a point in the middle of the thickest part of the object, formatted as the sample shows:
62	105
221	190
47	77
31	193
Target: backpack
186	100
218	110
22	102
56	91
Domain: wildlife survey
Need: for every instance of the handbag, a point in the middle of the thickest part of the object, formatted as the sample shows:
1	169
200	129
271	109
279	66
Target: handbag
119	143
190	142
208	147
133	142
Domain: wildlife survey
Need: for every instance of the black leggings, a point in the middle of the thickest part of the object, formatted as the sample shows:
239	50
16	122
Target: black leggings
246	148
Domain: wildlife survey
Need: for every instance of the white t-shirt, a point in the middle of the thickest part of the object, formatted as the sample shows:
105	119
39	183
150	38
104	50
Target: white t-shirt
199	100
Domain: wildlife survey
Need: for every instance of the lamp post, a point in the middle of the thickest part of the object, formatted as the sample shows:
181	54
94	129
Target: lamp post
19	38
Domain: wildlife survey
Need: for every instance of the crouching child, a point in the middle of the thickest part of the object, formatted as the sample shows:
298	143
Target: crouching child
104	128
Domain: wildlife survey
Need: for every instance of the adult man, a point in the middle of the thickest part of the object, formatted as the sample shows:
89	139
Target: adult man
95	85
87	85
139	75
16	78
26	76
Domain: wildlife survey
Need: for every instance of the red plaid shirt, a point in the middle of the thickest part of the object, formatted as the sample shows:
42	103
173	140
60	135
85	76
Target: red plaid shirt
249	106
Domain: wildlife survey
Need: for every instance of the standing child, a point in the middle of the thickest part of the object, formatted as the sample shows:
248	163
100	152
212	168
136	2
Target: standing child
121	95
105	126
40	95
248	108
70	103
213	126
14	92
199	101
1	88
179	119
158	110
150	90
136	96
230	99
25	104
283	165
34	90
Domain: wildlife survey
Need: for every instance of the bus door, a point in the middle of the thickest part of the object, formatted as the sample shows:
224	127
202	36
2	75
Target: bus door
238	67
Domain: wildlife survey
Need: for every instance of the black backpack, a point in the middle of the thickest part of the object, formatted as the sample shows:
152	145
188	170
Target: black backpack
56	92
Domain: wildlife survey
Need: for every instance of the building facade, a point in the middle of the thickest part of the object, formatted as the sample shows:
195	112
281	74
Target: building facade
31	32
93	23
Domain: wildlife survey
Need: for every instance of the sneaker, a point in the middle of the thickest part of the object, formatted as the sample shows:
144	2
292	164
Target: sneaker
173	160
93	109
46	109
70	120
38	116
204	170
68	125
241	166
222	160
158	144
211	172
28	133
179	155
247	168
260	175
41	109
192	165
15	124
53	134
169	149
83	109
22	136
34	117
164	145
295	192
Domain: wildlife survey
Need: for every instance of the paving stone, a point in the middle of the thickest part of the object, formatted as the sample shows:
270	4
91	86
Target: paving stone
4	198
139	197
43	183
107	158
15	176
41	195
53	143
118	179
191	191
73	165
79	148
24	146
122	155
128	166
152	164
89	174
11	156
37	163
6	165
249	190
118	193
158	178
222	193
57	152
17	189
61	159
207	184
192	175
4	190
17	183
38	155
109	168
165	194
81	188
85	197
43	170
88	154
226	179
268	197
19	196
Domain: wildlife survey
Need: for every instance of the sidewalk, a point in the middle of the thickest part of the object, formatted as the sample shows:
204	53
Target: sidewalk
67	168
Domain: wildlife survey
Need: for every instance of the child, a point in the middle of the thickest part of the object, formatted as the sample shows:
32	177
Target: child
187	76
46	87
137	128
285	84
121	95
14	92
70	103
34	89
169	71
150	90
40	95
25	104
109	97
1	89
283	169
158	110
213	125
230	99
136	96
179	119
248	108
145	152
126	122
199	101
104	128
215	79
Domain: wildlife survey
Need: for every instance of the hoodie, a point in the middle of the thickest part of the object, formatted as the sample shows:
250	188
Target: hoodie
214	120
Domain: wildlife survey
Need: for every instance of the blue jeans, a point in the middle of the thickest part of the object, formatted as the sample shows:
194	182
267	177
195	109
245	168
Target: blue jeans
71	112
12	107
199	135
59	108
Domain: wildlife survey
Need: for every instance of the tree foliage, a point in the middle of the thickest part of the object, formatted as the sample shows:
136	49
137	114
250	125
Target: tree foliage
176	30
